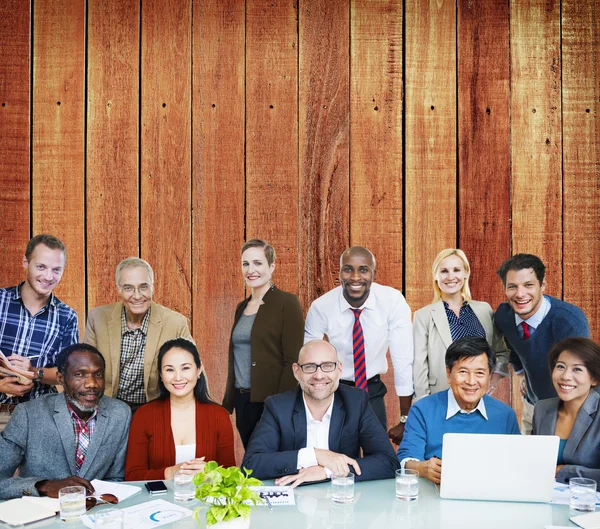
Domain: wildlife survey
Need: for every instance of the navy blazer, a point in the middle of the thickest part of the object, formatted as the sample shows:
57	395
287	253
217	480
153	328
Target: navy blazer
582	451
281	432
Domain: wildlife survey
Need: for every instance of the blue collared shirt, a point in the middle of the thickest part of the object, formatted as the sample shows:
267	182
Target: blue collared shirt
39	337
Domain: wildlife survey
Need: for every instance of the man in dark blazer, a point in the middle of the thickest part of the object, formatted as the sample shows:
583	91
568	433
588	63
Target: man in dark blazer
66	439
319	428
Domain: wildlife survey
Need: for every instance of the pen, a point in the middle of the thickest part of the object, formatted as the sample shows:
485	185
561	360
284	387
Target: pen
266	498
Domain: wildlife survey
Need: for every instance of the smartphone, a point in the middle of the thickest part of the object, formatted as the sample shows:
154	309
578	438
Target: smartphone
156	487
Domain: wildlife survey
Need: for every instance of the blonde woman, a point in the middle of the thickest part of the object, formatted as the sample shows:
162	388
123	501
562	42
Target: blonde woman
452	315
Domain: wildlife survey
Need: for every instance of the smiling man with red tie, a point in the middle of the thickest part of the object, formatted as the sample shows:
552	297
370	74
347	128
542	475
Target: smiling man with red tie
362	319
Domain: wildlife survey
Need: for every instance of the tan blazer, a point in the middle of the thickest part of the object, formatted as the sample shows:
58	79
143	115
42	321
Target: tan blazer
432	338
103	330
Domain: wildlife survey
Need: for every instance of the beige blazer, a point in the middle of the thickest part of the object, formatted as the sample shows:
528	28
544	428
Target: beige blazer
103	330
432	338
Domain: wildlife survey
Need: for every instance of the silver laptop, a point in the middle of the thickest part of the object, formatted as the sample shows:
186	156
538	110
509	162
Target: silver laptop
498	467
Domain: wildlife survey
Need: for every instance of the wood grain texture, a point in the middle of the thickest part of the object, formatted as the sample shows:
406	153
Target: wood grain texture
272	132
58	137
430	136
581	156
14	131
218	182
112	188
376	144
484	135
536	134
166	149
324	148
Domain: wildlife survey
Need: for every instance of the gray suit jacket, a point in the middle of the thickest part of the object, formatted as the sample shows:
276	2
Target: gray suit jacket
40	442
432	338
582	451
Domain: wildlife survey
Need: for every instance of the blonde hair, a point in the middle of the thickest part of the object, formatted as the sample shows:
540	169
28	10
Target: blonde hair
465	291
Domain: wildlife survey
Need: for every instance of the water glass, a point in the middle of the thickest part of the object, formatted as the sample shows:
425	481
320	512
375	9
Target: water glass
109	519
72	503
583	494
407	484
184	488
342	488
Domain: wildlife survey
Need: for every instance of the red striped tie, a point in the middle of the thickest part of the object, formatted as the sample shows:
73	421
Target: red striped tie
358	346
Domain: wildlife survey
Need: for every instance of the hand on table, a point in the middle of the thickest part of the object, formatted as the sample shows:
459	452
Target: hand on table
396	433
430	469
337	463
315	473
197	465
50	488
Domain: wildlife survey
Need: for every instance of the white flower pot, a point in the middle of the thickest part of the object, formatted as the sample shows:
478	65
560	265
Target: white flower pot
236	523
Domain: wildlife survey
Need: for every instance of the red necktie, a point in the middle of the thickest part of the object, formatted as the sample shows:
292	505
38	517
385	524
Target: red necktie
526	333
358	346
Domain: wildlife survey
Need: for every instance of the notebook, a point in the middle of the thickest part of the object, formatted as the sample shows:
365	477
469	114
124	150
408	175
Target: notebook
498	467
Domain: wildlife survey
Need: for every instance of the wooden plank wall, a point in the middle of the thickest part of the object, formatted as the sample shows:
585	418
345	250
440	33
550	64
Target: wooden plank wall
176	129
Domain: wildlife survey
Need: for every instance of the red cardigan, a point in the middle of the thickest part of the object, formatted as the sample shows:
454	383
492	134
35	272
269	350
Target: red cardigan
151	447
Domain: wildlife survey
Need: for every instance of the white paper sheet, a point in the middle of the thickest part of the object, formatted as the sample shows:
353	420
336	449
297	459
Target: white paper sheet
148	515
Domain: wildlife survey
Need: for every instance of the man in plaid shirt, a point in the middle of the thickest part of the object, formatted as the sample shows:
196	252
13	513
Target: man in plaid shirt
34	324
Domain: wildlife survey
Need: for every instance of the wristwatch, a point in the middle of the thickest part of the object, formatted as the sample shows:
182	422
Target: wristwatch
403	419
39	374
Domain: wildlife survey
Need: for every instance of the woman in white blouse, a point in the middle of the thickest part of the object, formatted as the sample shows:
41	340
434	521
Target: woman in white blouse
452	315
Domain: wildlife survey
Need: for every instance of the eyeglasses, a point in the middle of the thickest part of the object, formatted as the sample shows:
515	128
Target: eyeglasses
326	367
92	501
144	289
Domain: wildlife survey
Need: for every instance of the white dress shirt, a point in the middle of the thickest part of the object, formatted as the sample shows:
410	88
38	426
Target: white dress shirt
317	436
386	323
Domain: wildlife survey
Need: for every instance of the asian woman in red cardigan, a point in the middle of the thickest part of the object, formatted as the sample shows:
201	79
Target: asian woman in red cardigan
182	429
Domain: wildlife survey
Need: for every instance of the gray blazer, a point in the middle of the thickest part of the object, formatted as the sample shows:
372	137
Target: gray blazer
582	451
432	338
39	440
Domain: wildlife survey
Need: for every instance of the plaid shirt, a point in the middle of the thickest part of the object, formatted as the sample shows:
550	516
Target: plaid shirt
39	337
131	377
84	431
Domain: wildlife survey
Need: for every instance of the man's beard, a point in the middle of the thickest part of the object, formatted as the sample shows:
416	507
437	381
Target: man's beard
82	407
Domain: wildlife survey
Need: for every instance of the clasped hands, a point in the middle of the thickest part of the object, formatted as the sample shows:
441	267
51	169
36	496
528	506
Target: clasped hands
195	465
337	463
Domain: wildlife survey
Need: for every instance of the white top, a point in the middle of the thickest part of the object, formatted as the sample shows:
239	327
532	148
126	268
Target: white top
386	322
184	453
317	436
454	408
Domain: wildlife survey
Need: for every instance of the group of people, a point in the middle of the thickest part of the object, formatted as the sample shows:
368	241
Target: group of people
308	395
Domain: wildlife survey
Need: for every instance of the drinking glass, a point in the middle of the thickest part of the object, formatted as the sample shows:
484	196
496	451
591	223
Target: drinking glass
184	488
72	503
407	484
583	494
109	519
342	488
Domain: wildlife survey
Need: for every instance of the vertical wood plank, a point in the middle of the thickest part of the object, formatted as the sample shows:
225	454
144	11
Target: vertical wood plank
536	134
112	143
166	149
484	135
430	137
218	181
58	136
14	131
376	142
581	156
272	132
324	152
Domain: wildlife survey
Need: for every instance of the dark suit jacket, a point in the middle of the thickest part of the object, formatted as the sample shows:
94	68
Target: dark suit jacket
276	338
40	442
281	432
582	451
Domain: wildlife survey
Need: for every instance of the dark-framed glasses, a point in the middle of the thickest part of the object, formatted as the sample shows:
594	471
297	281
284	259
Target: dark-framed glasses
92	501
326	367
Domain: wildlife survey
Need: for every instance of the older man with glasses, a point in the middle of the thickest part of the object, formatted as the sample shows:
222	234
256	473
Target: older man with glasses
129	334
319	428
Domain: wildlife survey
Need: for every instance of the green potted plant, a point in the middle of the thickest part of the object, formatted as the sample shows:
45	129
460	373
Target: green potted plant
228	492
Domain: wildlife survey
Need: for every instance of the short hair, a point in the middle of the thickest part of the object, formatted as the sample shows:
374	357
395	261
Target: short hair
358	249
201	393
133	262
467	347
584	348
522	261
266	247
465	290
52	242
62	360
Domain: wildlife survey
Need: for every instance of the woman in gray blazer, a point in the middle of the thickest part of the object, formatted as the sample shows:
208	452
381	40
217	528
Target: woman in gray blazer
452	315
573	415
